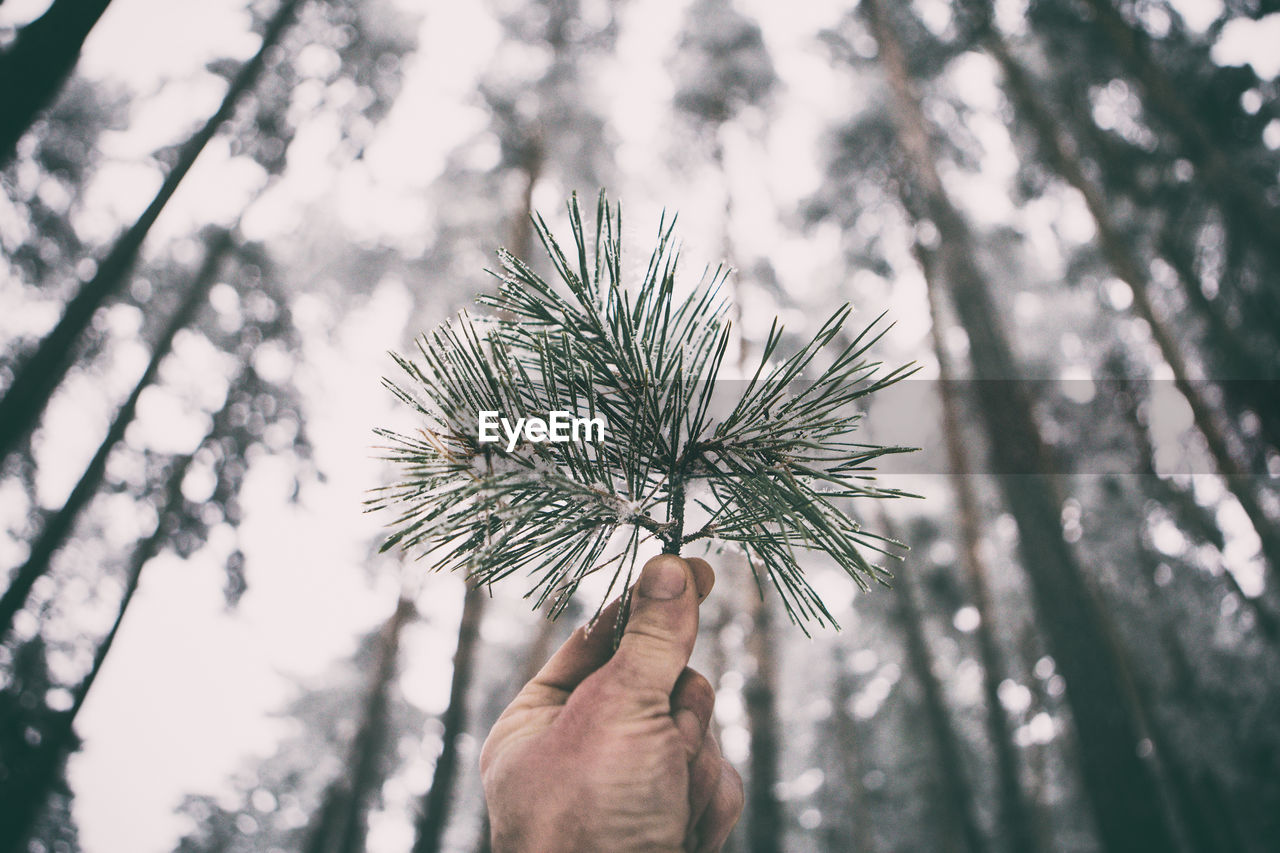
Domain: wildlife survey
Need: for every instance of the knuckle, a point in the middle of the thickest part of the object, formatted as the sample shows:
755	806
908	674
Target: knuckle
650	633
696	688
734	794
646	651
706	768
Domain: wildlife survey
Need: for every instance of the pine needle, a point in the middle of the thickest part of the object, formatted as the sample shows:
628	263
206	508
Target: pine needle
774	453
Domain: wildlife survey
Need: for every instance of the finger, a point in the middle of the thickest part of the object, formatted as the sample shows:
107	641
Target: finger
704	779
661	628
590	646
703	576
583	653
694	700
722	812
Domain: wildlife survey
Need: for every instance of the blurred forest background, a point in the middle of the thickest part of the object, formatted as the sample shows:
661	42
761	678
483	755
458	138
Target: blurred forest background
218	217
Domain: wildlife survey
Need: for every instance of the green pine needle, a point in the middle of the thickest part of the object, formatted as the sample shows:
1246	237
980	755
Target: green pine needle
767	463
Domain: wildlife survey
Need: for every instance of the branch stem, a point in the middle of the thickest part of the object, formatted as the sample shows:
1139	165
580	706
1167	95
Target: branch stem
673	538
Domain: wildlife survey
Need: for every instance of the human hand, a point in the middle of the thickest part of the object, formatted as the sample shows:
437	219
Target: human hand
610	752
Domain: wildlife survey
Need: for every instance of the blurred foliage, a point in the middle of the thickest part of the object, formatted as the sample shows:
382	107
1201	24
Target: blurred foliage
721	63
1190	190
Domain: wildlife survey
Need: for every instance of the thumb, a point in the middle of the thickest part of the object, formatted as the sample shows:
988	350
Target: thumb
661	628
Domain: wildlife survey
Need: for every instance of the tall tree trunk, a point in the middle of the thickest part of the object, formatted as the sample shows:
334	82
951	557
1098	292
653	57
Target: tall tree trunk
37	64
24	806
59	527
1015	818
1192	517
436	803
861	836
343	818
765	829
1059	152
1209	825
960	829
142	554
1251	376
1041	758
37	376
1239	196
522	226
1125	796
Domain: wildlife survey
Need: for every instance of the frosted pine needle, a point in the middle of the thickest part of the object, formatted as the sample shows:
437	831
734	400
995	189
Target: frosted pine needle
767	462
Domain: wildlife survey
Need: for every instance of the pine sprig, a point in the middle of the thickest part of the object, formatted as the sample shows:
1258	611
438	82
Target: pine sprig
768	463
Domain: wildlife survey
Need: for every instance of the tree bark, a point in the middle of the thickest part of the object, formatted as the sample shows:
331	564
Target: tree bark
960	830
522	225
43	370
1125	797
37	64
1015	817
59	527
764	815
25	804
344	813
1043	758
1060	154
1251	377
436	803
861	837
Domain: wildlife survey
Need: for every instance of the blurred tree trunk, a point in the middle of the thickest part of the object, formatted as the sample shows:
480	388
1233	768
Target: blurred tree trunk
1015	817
36	377
1041	758
1198	826
142	553
38	62
25	720
861	836
1241	199
342	821
960	825
1192	517
1195	792
59	526
436	803
1250	375
24	805
726	210
1126	799
1059	154
521	226
1185	684
764	816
